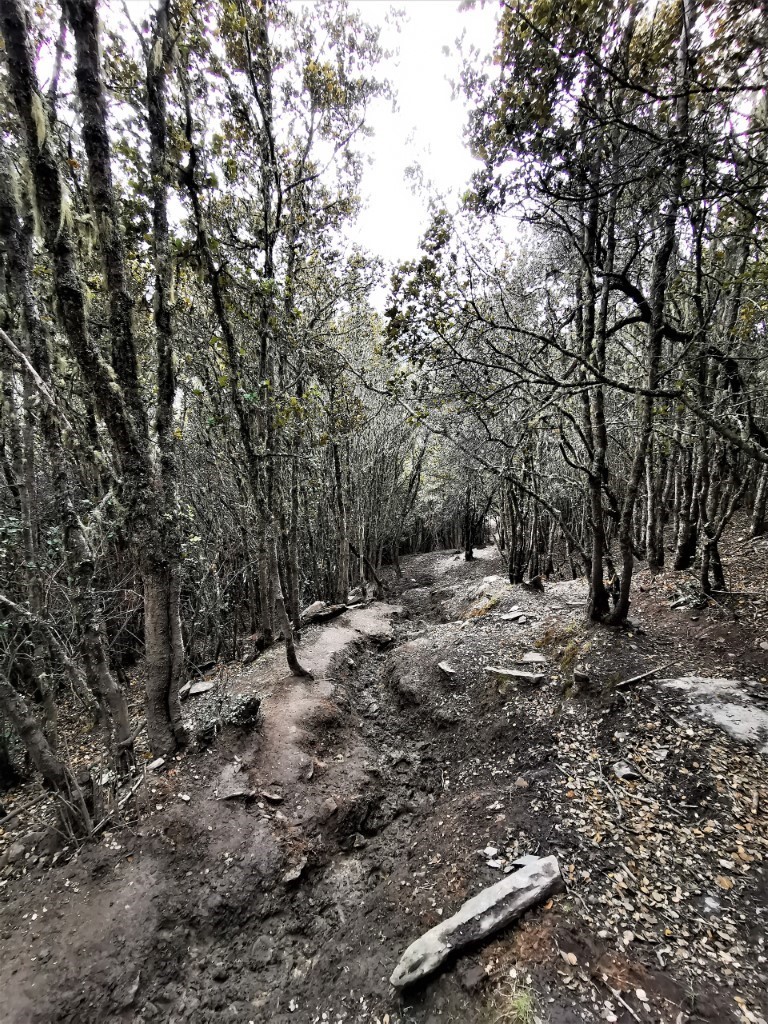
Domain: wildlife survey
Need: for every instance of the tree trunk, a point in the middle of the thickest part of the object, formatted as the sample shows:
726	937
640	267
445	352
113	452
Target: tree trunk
72	809
342	588
468	551
164	660
758	522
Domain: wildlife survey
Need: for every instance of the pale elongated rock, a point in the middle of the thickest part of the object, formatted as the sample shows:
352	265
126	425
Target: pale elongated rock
484	914
514	675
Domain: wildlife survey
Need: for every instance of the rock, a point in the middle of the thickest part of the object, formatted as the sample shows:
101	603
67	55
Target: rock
206	732
524	860
156	765
311	610
327	809
534	658
383	638
13	854
446	669
735	706
201	687
246	712
272	796
184	690
262	951
581	683
319	611
513	617
508	678
624	770
246	795
294	872
126	993
479	917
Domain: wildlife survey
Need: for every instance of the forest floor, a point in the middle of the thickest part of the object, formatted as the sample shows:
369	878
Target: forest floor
278	874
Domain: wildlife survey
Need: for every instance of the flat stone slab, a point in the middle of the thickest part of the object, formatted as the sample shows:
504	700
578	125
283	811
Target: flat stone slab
730	704
514	675
481	916
202	687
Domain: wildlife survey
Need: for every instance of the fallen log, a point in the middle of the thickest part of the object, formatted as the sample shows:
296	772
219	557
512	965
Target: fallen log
484	914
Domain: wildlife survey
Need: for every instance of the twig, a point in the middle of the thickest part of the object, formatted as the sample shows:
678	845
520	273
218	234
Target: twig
736	593
120	804
24	809
124	800
611	790
617	996
645	675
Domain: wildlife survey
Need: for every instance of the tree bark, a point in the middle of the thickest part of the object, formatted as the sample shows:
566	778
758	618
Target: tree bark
72	809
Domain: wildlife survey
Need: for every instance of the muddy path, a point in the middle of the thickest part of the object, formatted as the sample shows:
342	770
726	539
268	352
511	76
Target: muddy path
278	874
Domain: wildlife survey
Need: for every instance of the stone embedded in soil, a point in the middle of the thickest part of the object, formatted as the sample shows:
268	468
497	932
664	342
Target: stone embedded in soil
446	669
201	687
294	873
272	795
13	854
481	916
320	611
625	770
533	658
507	677
732	705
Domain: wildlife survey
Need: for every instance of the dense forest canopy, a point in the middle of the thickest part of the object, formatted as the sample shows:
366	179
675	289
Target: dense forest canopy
206	425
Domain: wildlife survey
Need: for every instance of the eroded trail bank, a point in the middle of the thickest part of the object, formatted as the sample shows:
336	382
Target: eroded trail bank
279	874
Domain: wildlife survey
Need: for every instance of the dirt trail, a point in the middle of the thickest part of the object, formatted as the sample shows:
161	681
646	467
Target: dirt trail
87	941
311	851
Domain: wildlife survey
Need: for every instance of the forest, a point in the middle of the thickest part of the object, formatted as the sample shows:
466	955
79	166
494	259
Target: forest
229	430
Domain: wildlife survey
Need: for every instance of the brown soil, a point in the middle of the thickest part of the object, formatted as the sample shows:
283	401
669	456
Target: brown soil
312	850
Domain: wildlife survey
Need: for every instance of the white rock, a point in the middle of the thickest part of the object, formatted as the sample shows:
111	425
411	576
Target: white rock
514	675
479	917
201	687
313	609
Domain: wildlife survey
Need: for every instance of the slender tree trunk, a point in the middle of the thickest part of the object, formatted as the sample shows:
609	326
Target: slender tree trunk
164	653
758	521
342	589
657	302
72	809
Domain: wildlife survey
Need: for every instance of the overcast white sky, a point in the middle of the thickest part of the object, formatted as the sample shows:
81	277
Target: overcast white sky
427	128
